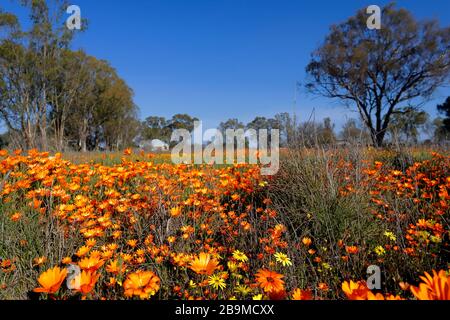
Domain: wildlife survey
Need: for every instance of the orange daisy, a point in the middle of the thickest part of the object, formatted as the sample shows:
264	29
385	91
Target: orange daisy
269	280
204	264
85	281
141	283
51	280
436	287
299	294
92	263
355	290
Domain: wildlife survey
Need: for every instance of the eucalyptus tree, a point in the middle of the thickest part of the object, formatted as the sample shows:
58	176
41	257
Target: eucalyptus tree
376	71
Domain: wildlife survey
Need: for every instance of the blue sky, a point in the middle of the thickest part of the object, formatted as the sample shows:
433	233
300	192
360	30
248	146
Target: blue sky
221	59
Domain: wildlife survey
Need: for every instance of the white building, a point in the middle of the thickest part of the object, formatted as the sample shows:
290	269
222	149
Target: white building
154	145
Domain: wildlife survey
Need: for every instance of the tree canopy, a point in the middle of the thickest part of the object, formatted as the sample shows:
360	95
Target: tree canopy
52	97
375	71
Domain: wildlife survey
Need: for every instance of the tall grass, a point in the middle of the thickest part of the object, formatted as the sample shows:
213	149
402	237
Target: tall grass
323	195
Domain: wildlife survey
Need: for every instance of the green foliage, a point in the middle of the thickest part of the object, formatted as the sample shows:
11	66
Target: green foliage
52	97
444	108
406	124
159	128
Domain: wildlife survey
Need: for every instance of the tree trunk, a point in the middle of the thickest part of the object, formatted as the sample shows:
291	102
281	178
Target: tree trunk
83	135
379	139
59	132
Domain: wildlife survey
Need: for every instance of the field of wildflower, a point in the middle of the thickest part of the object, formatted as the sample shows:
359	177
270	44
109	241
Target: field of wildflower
136	226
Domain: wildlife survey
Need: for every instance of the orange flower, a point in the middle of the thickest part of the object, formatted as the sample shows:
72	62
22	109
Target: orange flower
92	263
204	264
355	290
85	281
141	283
379	296
372	296
307	241
323	286
16	217
115	268
436	287
269	280
51	280
351	249
66	260
299	294
39	261
175	212
405	286
91	242
83	251
132	243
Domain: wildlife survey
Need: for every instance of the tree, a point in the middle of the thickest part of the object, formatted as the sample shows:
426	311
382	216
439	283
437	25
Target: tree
317	134
262	123
445	110
406	124
182	121
326	135
103	112
440	133
233	124
156	128
287	127
50	93
352	132
66	90
28	66
376	70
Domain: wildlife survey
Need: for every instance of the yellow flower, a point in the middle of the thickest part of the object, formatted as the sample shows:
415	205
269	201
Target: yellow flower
243	290
380	250
217	282
390	235
232	266
283	259
258	297
240	256
435	239
326	266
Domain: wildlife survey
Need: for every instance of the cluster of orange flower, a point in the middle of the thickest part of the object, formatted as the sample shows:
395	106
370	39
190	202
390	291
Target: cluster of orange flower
148	230
426	184
7	266
140	225
436	287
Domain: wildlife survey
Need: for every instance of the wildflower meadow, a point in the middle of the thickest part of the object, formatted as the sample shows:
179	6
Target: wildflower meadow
135	226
